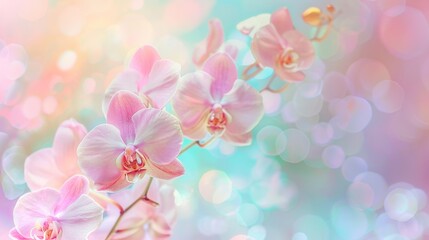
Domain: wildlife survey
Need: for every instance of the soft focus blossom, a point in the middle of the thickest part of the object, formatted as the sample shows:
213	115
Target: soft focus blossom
215	101
212	44
143	221
279	46
51	167
134	141
50	214
149	76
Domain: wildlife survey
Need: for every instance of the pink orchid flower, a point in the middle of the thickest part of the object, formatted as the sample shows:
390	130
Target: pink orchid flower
214	101
136	140
212	44
50	214
144	221
51	167
149	76
279	46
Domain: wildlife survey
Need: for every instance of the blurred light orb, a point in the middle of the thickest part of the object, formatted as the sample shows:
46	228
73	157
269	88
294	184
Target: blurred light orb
333	156
392	7
13	62
31	107
307	107
33	10
257	232
412	229
367	190
364	74
241	237
312	226
297	146
249	215
352	167
334	86
348	222
67	60
405	35
215	186
49	104
299	236
401	205
352	114
322	133
388	96
289	113
271	140
271	101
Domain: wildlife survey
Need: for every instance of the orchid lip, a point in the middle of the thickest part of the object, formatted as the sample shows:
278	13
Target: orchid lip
49	230
133	163
288	60
217	120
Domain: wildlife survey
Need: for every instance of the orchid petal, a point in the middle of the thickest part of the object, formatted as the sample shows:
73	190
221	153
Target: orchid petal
267	45
80	219
162	82
72	189
169	171
158	135
34	207
244	105
98	152
127	80
40	171
15	235
143	61
193	102
211	44
121	109
252	25
238	139
303	46
67	138
282	20
224	72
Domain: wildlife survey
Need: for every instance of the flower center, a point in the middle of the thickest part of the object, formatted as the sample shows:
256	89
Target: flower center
289	60
133	163
49	230
217	120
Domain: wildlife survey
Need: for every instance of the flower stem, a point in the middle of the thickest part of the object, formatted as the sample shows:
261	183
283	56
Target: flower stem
146	191
121	215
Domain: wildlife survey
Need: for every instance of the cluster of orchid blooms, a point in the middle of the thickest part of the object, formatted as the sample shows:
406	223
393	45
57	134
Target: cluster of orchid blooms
80	187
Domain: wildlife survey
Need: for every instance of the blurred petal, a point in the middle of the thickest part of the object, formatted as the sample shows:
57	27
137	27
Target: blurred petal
15	235
80	218
40	171
143	61
251	25
67	138
193	102
282	21
238	139
224	72
303	46
72	189
231	49
160	225
33	207
127	80
169	171
211	44
98	152
267	45
244	105
121	109
158	135
286	75
162	82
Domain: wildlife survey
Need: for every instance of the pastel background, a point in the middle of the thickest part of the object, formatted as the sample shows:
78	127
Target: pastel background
342	155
